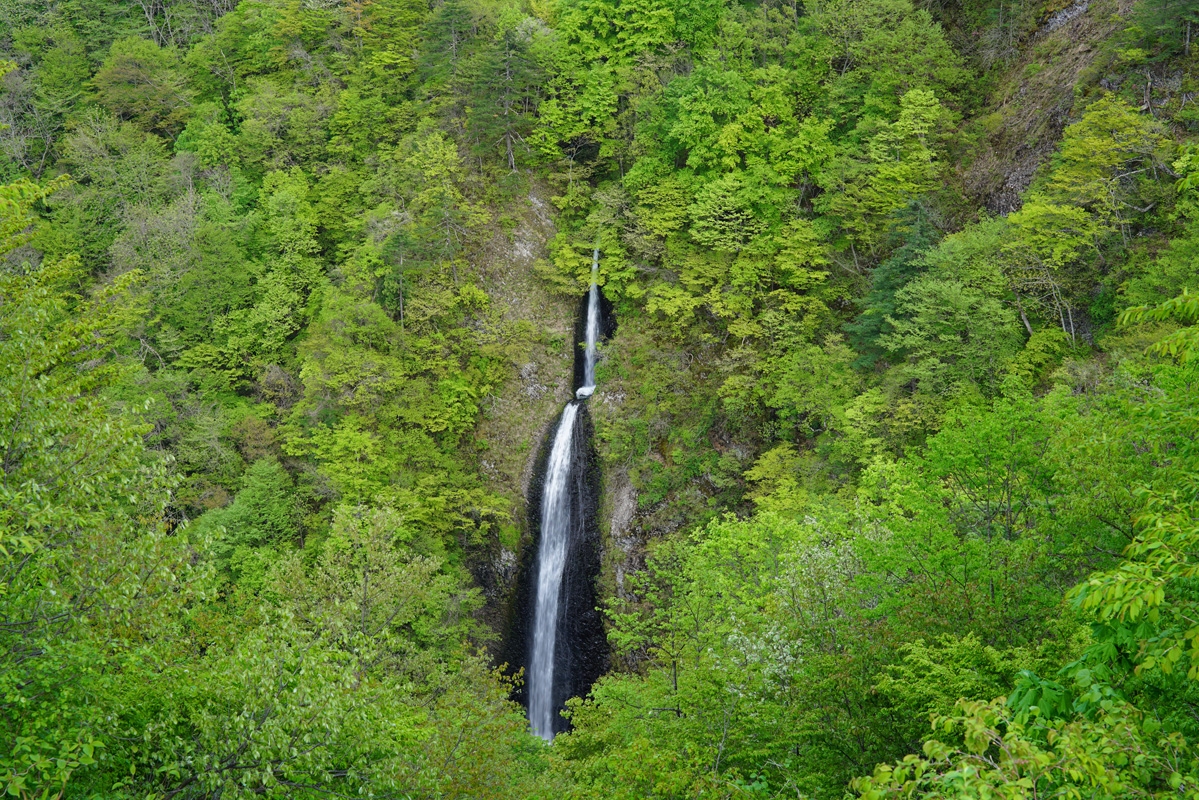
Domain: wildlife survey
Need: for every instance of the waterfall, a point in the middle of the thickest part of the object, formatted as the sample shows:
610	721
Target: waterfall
567	631
551	560
592	335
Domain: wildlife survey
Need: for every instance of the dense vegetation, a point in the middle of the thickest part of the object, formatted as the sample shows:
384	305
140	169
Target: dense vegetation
911	437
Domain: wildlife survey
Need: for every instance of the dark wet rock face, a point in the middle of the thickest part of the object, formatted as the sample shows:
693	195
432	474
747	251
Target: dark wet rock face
556	632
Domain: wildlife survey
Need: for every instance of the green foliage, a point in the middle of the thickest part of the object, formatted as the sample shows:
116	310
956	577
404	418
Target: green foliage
89	574
950	335
116	166
930	679
140	82
261	521
1167	25
900	164
40	95
219	187
796	652
1118	753
1182	344
1101	742
885	280
505	91
882	49
251	538
1095	188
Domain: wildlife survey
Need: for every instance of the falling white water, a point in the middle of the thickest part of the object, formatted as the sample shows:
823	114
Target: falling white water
556	527
592	335
551	560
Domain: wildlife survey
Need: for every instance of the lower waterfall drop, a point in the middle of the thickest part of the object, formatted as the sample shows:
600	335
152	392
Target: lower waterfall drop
551	562
567	648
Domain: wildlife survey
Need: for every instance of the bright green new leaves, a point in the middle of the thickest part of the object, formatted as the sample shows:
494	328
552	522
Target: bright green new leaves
16	210
952	336
252	40
722	119
716	618
1144	612
443	215
620	32
900	163
383	412
809	386
1119	753
250	338
881	49
38	768
208	137
734	169
379	593
424	176
89	575
745	136
725	214
50	408
1100	182
700	107
1181	344
1161	559
782	655
284	707
388	33
593	66
1102	154
232	276
312	281
357	681
275	714
140	82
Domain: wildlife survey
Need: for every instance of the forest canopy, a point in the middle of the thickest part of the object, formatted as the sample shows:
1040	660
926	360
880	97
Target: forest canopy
897	429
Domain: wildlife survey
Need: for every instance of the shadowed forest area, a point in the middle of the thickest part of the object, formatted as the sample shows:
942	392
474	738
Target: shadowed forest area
897	425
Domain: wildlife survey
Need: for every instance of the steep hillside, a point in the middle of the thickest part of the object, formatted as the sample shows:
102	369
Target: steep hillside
539	327
897	420
1034	98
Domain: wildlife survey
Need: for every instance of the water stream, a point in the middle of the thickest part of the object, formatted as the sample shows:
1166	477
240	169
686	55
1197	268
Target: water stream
592	334
563	527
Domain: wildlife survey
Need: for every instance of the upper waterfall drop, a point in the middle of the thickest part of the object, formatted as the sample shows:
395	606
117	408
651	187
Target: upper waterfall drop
592	332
